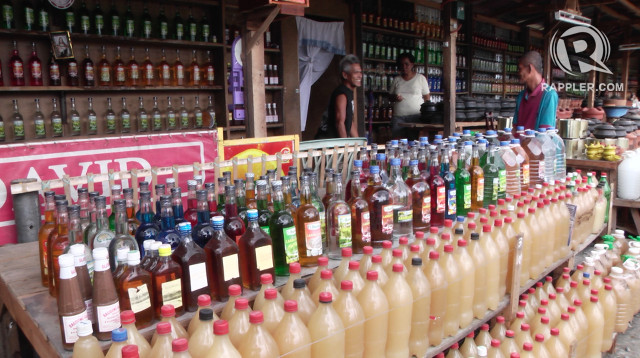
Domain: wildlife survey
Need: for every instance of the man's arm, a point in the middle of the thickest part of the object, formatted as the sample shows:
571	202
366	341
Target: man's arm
354	127
426	97
341	115
547	111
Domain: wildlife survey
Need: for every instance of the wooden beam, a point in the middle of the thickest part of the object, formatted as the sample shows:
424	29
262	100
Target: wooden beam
495	22
258	33
290	76
630	6
253	67
609	11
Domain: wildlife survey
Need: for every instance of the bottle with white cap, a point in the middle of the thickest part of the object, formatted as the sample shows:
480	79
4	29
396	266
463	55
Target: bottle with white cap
71	307
106	307
87	345
84	279
135	287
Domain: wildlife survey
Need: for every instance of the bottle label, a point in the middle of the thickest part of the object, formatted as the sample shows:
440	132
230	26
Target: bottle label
387	219
157	122
405	216
210	74
131	28
126	121
111	122
440	199
205	32
85	23
144	122
105	74
43	20
323	227
265	229
193	30
75	123
480	190
140	298
18	70
115	24
120	76
496	184
18	128
171	120
108	317
71	19
29	17
180	72
7	13
148	72
195	73
93	122
70	326
54	71
230	267
99	24
198	276
313	238
344	231
525	173
57	126
40	131
502	176
264	257
366	226
147	28
36	70
2	134
467	196
88	304
291	244
179	31
198	120
164	29
184	120
134	71
88	72
426	209
166	72
451	202
172	293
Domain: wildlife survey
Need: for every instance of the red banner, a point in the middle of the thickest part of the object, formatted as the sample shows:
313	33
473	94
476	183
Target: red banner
52	160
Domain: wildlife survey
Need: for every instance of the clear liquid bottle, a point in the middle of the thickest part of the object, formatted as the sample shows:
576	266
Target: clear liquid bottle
257	341
201	340
292	335
401	197
122	238
438	307
491	178
400	300
512	169
376	307
87	346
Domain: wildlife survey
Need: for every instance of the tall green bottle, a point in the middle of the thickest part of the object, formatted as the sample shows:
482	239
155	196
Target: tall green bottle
491	179
463	187
283	233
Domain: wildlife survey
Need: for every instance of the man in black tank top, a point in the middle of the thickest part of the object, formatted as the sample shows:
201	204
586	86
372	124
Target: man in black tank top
340	122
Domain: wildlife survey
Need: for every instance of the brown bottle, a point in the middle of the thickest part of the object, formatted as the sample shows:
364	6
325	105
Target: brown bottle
135	287
167	282
106	307
71	308
84	280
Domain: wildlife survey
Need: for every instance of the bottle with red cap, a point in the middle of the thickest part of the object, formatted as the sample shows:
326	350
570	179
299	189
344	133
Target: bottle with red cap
435	237
130	351
343	267
376	265
499	329
326	285
453	277
376	312
272	311
239	322
162	346
180	348
609	303
583	322
365	260
483	339
354	276
467	273
567	335
595	315
493	268
169	315
234	293
397	258
503	252
476	253
421	290
539	349
267	283
536	320
87	346
294	274
352	315
554	345
493	350
469	347
403	245
520	226
386	254
436	276
314	281
509	344
520	318
222	346
524	336
400	299
128	320
204	301
326	329
543	327
454	351
201	341
414	251
292	335
445	239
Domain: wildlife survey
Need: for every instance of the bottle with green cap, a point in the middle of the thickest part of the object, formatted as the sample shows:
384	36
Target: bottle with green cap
193	260
167	282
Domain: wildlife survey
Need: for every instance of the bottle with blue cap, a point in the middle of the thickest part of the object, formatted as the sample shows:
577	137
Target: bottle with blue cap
168	233
202	232
195	275
283	233
420	198
224	259
463	186
380	209
492	137
255	253
549	151
511	170
381	162
523	161
401	199
119	340
560	157
437	190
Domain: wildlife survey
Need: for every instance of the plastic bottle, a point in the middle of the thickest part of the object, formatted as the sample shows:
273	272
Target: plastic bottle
229	308
494	350
499	329
267	283
492	257
549	151
567	335
539	349
323	264
623	298
479	266
162	347
201	340
376	261
469	347
515	325
204	301
301	295
595	316
257	342
343	267
87	346
326	285
524	336
560	157
119	340
365	260
326	329
543	327
484	337
292	335
352	316
239	322
397	259
376	307
583	323
400	300
271	310
421	290
509	344
438	281
554	345
609	304
294	274
454	351
128	320
354	276
502	244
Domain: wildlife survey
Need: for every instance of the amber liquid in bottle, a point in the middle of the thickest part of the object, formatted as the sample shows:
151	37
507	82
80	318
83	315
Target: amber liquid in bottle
104	70
179	76
192	259
308	229
420	198
195	73
119	70
163	71
223	261
88	69
73	73
360	216
58	242
256	253
71	308
135	287
43	235
380	208
148	71
134	77
167	282
477	181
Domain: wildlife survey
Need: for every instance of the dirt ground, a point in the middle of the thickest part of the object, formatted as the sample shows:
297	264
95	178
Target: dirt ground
628	343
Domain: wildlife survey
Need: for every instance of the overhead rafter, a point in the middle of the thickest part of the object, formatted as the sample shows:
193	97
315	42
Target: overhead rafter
630	6
609	11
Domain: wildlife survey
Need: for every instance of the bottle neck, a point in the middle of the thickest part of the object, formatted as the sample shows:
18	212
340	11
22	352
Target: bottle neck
122	226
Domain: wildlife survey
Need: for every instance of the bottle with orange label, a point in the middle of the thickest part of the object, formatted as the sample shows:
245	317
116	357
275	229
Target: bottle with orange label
376	307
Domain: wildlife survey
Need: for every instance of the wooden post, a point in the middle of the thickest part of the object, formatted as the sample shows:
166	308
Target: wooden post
625	72
449	70
134	186
290	76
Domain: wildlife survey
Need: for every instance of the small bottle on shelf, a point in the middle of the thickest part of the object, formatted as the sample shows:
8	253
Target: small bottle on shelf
194	71
85	19
148	71
147	24
75	123
119	70
205	29
209	71
55	79
197	114
142	117
88	69
16	67
125	117
98	20
192	26
163	71
156	116
179	77
70	19
104	69
171	115
178	27
114	20
38	121
110	118
210	115
133	77
18	122
164	24
183	115
92	117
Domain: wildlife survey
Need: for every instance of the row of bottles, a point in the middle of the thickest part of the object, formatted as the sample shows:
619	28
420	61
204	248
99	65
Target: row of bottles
124	121
383	47
380	78
425	22
37	17
116	73
496	43
271	75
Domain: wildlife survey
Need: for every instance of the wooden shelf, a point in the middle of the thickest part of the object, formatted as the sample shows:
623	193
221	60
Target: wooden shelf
380	60
107	88
626	203
386	31
486	71
274	87
271	50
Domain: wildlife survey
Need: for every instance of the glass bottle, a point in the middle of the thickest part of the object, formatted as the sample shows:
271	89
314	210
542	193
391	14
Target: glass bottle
122	237
75	122
163	24
16	66
106	307
492	179
85	18
178	30
309	237
168	233
55	78
360	216
46	228
233	224
147	25
192	258
179	76
29	16
70	19
195	75
209	119
401	197
172	120
256	253
339	225
148	229
163	71
125	117
450	187
192	27
132	71
135	287
3	135
114	20
263	211
129	22
35	67
438	197
477	180
148	70
197	114
463	187
88	69
211	199
98	20
56	119
104	69
167	285
18	122
156	116
38	121
142	117
420	198
119	70
176	204
57	242
183	115
73	74
282	232
222	258
209	71
110	118
71	308
203	231
380	208
132	219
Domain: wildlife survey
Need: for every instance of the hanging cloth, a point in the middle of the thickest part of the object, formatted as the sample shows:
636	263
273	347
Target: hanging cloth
318	42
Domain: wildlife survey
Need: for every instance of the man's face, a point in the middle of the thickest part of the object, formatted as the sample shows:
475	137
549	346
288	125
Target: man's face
354	77
524	71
